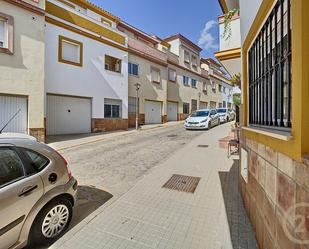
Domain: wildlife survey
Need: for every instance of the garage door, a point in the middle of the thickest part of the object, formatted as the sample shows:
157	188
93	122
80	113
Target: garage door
9	106
213	104
203	105
68	115
172	111
152	112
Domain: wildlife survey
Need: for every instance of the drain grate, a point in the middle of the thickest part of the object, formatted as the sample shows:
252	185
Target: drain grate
182	183
203	145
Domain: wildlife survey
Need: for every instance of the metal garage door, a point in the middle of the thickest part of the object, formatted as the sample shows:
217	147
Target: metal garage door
9	106
213	104
172	112
152	112
68	115
203	105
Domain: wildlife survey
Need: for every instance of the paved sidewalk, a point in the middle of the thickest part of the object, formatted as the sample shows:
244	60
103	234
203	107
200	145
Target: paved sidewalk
62	142
149	216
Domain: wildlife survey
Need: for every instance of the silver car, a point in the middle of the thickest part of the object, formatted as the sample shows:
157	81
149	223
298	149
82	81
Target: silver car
37	192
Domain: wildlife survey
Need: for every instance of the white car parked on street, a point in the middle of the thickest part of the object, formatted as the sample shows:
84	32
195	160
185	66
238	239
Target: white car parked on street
225	115
202	119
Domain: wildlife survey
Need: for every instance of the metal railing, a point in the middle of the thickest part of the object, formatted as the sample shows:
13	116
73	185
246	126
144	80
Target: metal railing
269	65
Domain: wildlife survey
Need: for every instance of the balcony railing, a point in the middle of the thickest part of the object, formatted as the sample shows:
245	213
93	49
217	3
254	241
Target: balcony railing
204	73
172	57
146	50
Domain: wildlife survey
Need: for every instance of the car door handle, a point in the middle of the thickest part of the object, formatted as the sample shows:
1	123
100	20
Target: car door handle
27	190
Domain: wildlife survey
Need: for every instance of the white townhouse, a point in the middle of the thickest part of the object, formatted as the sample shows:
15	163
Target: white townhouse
86	69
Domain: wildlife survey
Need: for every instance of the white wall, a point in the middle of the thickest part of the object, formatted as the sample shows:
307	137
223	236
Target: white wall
248	11
175	44
90	80
234	41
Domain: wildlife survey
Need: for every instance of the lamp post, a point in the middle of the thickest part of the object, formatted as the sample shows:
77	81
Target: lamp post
199	100
137	87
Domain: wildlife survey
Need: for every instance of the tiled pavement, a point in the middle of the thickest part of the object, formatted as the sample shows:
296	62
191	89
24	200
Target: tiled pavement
149	216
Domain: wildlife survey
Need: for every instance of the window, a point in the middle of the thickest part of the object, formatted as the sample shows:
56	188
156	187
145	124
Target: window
132	105
106	22
224	89
185	80
187	57
193	83
186	108
269	69
213	112
112	108
172	76
213	86
205	87
220	105
155	75
220	88
194	105
6	33
38	161
112	64
3	33
11	167
133	69
224	104
213	104
194	61
70	51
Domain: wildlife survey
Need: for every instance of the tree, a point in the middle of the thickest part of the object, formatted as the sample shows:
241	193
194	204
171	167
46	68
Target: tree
237	99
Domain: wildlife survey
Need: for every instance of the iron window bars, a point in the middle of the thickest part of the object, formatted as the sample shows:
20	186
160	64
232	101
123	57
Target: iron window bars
269	62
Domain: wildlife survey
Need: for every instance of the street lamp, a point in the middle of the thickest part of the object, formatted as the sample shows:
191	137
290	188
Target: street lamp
137	87
199	100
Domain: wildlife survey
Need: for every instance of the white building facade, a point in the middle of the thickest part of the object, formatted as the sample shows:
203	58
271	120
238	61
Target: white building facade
86	69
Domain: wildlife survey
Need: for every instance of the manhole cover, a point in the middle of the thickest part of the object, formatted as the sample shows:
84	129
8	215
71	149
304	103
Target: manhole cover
172	135
182	183
203	145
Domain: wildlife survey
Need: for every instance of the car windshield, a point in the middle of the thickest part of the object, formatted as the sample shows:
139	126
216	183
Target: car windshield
221	110
200	114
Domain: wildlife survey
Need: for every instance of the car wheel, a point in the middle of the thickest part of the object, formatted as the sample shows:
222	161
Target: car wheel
51	222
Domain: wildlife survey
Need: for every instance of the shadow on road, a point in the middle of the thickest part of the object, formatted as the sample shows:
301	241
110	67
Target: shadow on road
89	199
241	231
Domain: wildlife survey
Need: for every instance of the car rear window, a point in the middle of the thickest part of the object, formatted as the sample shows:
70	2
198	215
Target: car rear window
11	166
38	161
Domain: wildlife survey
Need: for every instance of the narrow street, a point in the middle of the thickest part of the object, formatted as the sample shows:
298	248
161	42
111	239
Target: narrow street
129	172
109	168
116	164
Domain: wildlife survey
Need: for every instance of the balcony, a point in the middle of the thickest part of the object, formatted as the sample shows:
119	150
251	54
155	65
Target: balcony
172	57
229	44
149	52
204	73
230	38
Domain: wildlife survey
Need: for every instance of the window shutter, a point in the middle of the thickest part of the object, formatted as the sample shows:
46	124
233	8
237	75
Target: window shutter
70	51
3	35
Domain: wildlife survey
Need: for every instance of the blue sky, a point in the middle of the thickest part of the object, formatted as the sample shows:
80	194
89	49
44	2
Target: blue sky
195	19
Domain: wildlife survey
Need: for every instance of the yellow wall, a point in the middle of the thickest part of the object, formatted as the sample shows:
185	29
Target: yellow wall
298	146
